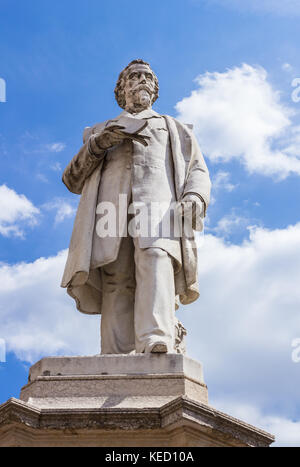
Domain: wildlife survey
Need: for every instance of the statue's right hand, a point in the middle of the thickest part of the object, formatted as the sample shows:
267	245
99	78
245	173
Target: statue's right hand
107	139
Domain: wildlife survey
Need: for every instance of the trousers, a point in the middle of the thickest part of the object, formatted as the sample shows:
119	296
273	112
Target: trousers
138	307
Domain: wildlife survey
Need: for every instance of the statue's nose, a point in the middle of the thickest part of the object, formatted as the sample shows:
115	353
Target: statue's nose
143	79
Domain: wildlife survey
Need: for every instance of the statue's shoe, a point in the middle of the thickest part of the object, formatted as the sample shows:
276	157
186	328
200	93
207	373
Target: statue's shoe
159	347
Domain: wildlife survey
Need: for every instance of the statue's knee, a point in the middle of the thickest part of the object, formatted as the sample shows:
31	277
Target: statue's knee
155	253
119	282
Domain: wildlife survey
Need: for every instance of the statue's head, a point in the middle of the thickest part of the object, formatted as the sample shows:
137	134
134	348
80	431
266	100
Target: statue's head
137	87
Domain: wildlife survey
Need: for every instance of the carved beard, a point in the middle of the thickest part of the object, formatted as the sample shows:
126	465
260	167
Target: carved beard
141	98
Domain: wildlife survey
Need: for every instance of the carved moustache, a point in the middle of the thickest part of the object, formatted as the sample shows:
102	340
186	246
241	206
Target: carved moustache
142	87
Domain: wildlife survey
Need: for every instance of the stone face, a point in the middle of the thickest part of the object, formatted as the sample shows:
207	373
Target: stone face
141	400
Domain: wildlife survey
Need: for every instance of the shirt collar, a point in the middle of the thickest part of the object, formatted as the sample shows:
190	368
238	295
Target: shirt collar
148	113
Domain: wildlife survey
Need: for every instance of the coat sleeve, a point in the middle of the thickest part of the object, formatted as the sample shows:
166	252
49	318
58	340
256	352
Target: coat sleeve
198	180
81	166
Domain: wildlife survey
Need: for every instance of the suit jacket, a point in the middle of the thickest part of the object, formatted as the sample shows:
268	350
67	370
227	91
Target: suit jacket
145	177
83	176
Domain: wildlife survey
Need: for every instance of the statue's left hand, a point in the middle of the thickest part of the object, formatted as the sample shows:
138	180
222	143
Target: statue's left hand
190	205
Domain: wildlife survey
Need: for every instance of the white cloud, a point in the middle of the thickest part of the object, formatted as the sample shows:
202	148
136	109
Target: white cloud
221	181
238	115
286	431
230	223
16	211
64	210
287	67
56	167
55	147
42	178
292	141
285	8
31	144
37	317
256	287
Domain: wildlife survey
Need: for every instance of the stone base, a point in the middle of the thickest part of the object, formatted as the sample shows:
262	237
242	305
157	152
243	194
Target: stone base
156	400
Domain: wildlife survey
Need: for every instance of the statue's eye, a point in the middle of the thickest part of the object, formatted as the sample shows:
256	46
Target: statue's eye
133	75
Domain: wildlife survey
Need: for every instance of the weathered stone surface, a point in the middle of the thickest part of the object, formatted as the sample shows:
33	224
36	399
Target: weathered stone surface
180	422
109	379
140	364
136	408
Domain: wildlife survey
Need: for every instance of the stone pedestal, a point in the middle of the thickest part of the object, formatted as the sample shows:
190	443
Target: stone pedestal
157	400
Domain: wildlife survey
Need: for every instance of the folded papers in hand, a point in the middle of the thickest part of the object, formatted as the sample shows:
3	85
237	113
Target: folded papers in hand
129	128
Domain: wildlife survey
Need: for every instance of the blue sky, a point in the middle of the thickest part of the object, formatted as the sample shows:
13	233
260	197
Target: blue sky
223	65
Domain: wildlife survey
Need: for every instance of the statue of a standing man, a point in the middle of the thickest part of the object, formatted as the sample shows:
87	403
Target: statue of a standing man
135	282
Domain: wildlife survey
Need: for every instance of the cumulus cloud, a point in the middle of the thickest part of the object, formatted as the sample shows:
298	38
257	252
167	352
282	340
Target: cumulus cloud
16	212
37	317
238	115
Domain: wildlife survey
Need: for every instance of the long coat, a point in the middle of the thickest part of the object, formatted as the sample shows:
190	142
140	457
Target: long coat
83	176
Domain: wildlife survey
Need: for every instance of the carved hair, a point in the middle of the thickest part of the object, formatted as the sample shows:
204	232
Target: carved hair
119	89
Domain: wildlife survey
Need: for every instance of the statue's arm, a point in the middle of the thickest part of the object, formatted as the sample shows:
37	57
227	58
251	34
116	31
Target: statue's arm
80	168
97	141
83	164
198	184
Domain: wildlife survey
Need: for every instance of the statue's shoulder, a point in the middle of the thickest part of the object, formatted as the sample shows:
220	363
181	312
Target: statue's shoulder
188	126
184	127
89	130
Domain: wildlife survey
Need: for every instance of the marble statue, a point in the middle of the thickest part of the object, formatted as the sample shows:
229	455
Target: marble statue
133	278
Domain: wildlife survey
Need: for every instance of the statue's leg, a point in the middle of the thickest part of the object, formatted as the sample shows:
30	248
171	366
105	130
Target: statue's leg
154	310
117	321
